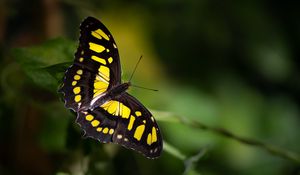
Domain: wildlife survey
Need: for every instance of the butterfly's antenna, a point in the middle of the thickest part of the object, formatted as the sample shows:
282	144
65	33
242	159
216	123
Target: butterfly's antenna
144	87
135	68
133	74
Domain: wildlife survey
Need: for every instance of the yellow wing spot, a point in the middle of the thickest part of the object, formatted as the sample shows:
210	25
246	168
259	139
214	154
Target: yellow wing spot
149	139
120	108
101	33
77	77
116	108
95	123
82	52
79	72
139	132
113	108
107	50
106	105
96	35
99	129
119	136
110	60
74	83
131	121
98	59
115	46
125	112
76	90
99	78
104	72
144	121
81	59
77	98
96	47
154	136
138	113
100	85
105	130
111	131
98	92
89	117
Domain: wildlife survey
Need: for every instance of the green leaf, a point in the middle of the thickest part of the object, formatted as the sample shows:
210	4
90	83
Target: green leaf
46	63
54	127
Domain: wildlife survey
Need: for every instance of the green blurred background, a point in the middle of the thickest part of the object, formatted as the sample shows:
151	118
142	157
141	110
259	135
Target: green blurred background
226	64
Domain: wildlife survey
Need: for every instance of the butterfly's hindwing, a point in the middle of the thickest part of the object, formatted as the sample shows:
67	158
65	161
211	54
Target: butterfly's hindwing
136	127
124	121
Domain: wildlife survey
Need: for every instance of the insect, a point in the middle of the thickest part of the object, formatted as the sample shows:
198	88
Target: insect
93	89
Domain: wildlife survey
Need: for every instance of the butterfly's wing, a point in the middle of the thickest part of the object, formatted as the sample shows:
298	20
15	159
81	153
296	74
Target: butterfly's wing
96	66
96	69
139	131
125	121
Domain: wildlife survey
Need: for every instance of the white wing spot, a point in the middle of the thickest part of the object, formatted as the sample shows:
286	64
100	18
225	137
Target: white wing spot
152	118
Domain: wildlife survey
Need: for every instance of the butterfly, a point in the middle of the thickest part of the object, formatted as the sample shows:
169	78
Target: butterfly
93	89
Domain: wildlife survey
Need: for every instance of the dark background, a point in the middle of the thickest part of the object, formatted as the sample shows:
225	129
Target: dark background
226	64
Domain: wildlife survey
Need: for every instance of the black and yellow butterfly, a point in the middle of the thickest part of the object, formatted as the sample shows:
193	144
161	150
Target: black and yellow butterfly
92	88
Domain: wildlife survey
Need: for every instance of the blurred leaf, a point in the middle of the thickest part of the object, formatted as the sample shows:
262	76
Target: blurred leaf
45	63
53	134
62	173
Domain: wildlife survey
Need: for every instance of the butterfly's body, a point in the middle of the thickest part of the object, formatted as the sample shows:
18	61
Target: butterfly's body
92	88
114	92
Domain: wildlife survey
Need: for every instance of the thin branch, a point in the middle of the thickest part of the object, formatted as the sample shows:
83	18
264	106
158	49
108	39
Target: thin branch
274	150
292	156
174	151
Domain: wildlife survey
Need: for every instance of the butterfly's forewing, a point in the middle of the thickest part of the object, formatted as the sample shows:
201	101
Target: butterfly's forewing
125	121
99	48
96	66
